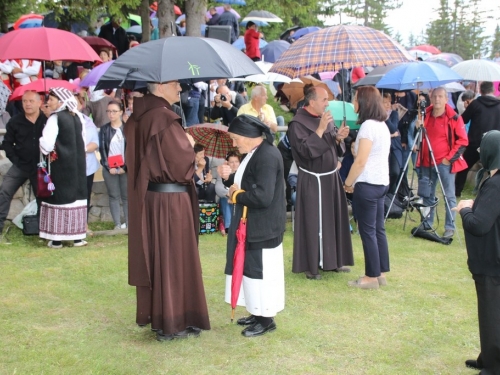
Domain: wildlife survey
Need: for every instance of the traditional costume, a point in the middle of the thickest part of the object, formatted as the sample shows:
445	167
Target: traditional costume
164	263
260	176
322	237
31	71
63	216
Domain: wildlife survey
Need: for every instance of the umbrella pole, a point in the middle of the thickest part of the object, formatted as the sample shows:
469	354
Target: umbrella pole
343	93
232	315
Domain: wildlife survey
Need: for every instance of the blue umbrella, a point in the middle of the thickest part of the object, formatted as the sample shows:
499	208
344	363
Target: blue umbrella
418	75
274	49
233	2
33	22
304	31
240	43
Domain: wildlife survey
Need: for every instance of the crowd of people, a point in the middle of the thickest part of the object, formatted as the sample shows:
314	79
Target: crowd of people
147	156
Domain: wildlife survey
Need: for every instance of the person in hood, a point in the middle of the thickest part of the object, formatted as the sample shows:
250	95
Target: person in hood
164	263
481	223
483	114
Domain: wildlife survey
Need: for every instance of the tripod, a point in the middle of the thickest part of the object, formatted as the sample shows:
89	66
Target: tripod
420	137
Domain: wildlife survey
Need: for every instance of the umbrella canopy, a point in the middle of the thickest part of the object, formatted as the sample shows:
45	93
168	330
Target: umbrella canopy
427	48
295	89
258	23
220	10
238	261
4	97
448	59
418	75
304	31
266	77
45	43
336	108
42	86
472	70
273	50
136	29
240	43
214	137
34	18
98	43
95	74
262	16
233	2
454	87
375	75
336	47
416	53
196	59
285	34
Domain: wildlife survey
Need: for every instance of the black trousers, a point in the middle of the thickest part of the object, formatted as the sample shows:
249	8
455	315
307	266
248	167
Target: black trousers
471	156
488	309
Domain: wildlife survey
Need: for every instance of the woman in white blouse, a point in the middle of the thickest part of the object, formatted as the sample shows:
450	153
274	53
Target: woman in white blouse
368	180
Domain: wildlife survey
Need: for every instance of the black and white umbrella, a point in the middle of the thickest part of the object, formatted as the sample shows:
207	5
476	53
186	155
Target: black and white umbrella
261	16
184	58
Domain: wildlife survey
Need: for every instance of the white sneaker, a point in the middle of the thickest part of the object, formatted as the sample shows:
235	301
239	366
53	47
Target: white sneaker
51	245
80	244
123	226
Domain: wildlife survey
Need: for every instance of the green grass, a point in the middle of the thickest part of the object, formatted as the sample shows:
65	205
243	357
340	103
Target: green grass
71	311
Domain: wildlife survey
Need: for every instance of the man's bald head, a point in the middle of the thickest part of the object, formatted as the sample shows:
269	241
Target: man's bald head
31	102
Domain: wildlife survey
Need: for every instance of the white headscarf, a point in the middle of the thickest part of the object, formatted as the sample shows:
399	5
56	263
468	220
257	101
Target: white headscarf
69	102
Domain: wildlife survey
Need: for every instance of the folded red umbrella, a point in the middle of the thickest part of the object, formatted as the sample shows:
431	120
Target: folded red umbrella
238	261
43	43
42	86
98	43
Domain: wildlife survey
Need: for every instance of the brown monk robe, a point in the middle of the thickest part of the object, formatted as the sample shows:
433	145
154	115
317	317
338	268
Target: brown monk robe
164	262
318	155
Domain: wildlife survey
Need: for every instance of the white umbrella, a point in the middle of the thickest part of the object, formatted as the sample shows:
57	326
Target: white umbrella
454	87
266	77
261	16
478	70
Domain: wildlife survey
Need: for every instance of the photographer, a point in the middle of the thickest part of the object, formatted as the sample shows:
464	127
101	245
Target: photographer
224	108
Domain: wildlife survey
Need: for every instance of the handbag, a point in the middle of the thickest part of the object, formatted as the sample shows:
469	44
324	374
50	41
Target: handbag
31	224
115	161
45	187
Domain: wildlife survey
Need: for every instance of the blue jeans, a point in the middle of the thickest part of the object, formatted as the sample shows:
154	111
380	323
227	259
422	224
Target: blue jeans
368	202
448	181
192	111
226	209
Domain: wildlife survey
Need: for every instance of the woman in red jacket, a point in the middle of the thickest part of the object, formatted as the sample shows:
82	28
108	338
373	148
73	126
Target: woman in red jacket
252	38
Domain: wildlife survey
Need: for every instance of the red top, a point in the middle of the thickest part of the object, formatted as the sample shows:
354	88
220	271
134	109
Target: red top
252	38
438	130
357	74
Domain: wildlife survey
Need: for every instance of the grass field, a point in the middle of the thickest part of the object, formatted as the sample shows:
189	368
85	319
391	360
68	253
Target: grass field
71	311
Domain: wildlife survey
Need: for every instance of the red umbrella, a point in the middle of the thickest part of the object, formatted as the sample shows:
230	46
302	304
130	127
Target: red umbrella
238	261
214	137
25	17
98	43
41	86
154	8
45	43
426	48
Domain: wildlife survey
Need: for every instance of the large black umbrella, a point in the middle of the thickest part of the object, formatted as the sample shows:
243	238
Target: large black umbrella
177	58
375	75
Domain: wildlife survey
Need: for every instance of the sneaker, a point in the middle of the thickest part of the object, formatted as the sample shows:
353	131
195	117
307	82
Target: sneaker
117	227
448	233
80	243
123	226
51	245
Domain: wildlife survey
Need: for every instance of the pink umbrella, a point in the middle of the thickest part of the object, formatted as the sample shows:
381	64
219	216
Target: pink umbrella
220	10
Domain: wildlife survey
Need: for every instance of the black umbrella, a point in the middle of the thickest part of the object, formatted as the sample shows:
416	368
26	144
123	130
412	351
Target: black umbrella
375	75
285	34
184	58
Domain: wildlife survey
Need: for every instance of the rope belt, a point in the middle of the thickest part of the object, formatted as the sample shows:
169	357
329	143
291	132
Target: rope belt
318	175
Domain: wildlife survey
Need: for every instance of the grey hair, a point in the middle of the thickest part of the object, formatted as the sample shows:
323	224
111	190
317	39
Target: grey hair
440	89
468	95
152	87
257	91
309	94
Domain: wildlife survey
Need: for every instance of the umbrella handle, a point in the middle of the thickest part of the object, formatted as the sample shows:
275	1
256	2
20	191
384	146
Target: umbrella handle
235	194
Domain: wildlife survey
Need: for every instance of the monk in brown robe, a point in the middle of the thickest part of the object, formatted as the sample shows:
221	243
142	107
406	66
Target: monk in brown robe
322	237
164	262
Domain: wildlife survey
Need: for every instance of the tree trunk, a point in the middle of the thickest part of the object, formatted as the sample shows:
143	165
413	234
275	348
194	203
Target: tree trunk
195	16
166	18
146	29
4	22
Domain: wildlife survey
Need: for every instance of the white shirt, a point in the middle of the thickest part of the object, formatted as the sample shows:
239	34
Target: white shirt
376	170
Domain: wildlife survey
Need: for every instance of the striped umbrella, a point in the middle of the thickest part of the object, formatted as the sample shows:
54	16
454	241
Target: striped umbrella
214	137
336	47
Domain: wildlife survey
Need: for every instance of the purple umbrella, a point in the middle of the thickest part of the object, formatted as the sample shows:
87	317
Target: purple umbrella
95	74
220	10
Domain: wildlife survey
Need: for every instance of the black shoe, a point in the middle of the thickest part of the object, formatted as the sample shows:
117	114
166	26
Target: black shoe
161	337
189	331
246	321
472	363
257	329
311	276
343	269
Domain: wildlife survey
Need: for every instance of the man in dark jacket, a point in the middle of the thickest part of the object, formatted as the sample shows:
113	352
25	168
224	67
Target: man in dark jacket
215	17
228	18
115	34
483	114
21	145
224	108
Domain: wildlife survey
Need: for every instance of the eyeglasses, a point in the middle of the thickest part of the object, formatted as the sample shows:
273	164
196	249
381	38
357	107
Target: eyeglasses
109	111
176	83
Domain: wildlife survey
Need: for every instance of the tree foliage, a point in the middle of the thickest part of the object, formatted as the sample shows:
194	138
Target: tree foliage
11	10
495	44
